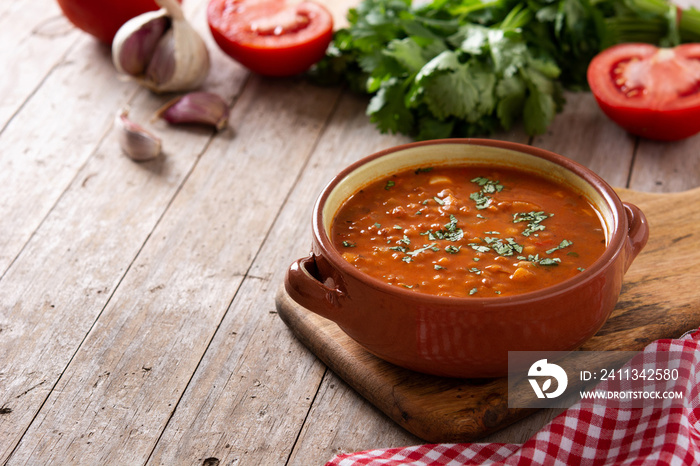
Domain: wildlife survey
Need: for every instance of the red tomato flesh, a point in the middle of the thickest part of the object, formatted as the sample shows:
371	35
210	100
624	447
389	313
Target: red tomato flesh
649	91
103	18
271	37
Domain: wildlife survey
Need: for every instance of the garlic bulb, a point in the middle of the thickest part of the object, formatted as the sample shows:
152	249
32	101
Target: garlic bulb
161	50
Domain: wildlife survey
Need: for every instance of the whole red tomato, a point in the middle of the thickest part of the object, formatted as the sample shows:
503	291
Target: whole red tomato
649	91
271	37
102	18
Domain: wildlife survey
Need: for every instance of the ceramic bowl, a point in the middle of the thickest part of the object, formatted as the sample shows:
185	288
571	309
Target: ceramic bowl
465	337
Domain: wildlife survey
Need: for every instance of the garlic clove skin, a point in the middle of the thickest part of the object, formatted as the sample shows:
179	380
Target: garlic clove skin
191	58
179	61
204	108
135	141
161	68
139	44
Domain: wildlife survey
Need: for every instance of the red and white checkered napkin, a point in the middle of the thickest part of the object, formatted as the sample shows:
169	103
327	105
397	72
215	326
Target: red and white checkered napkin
588	433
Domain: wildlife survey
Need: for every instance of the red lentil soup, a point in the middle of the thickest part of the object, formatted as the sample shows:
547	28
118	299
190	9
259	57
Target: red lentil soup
468	231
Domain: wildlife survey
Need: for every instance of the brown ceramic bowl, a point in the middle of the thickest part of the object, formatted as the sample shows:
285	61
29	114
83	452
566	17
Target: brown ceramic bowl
465	337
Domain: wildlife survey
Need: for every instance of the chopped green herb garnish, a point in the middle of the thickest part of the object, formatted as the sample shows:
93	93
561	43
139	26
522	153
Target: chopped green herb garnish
377	225
452	249
450	232
479	247
398	227
438	200
507	248
581	269
488	186
349	244
439	267
543	261
499	246
475	270
564	244
423	170
389	184
431	247
403	249
482	201
472	291
534	220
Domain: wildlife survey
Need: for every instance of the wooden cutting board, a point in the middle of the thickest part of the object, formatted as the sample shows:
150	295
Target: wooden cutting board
660	299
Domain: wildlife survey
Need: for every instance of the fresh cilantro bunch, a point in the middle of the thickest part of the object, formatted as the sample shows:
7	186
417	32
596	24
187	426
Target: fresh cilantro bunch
462	68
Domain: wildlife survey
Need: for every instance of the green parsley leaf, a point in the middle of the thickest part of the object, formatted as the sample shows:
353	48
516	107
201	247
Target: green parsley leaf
479	247
452	249
564	244
450	68
534	220
431	247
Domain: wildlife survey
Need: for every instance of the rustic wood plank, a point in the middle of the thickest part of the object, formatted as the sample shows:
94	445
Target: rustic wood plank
50	139
215	405
123	383
584	134
341	422
57	287
667	167
40	31
61	122
84	289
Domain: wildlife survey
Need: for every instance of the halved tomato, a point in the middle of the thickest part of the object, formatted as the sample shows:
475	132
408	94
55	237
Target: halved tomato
271	37
649	91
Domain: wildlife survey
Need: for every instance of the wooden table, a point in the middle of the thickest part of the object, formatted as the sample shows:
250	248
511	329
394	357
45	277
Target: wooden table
137	312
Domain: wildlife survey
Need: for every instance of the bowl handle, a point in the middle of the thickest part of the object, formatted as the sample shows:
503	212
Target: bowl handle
304	286
637	232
